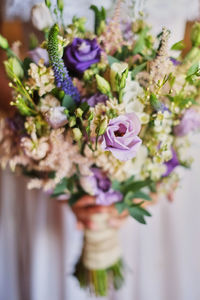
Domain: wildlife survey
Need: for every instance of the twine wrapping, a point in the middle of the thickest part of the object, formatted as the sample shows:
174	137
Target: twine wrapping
101	247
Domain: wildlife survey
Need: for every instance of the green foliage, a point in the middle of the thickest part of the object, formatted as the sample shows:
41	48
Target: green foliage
123	54
79	24
103	85
193	73
13	68
3	43
141	43
69	103
33	41
155	103
131	190
178	46
64	186
26	65
100	17
138	213
138	69
181	101
112	59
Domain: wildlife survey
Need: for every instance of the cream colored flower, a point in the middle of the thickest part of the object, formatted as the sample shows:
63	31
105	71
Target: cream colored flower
42	78
48	102
133	93
36	149
41	16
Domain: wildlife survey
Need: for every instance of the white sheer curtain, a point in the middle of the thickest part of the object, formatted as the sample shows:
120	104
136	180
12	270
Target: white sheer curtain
39	243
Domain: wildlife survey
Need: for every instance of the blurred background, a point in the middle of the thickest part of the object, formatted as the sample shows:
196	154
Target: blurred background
39	243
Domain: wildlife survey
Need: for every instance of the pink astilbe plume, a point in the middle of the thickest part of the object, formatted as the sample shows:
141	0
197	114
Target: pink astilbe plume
161	65
112	39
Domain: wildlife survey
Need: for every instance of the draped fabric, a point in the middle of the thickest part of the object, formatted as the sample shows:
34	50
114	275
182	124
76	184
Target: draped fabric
39	243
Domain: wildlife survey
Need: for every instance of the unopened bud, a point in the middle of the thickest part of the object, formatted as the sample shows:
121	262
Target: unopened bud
3	43
103	85
103	126
60	4
79	112
116	72
195	34
13	67
72	121
48	3
77	134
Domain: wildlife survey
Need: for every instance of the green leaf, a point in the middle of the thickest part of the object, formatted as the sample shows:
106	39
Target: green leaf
138	213
112	59
121	206
100	17
84	106
193	70
75	197
68	102
142	195
128	198
60	188
26	65
138	69
136	216
135	186
123	54
116	185
140	43
155	103
178	46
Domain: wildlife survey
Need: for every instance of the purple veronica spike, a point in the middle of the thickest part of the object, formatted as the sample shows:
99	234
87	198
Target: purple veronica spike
61	75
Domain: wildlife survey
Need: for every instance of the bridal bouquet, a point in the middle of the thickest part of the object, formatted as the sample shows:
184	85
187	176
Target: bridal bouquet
105	113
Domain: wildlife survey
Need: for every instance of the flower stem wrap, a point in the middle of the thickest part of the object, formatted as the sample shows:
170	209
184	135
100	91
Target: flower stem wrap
100	265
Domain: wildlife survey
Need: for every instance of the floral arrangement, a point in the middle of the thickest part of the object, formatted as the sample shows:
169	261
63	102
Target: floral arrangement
105	113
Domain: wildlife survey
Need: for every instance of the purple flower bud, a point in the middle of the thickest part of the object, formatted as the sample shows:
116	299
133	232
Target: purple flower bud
171	164
95	99
39	53
189	122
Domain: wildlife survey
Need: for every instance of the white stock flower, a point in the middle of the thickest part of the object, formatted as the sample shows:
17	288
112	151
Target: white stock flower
56	116
41	78
41	16
35	148
132	92
139	160
48	102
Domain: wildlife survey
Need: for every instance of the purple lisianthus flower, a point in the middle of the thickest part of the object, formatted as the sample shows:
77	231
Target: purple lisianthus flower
171	164
121	136
81	54
190	122
39	53
99	185
95	99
